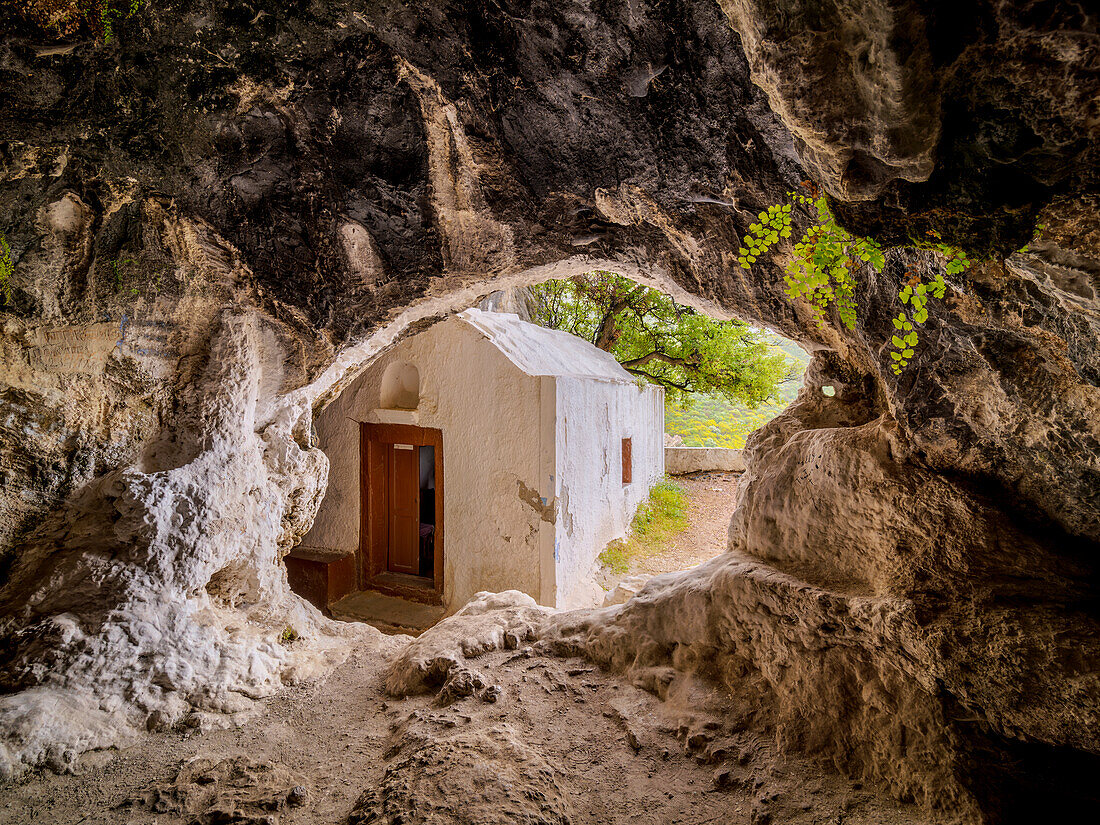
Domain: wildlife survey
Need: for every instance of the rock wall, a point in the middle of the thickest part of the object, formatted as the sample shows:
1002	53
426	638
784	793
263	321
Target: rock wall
221	216
216	221
963	118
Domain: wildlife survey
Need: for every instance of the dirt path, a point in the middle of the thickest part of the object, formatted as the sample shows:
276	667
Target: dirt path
550	742
710	498
710	505
534	739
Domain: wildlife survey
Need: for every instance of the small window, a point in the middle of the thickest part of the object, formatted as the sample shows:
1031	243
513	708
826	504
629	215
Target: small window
400	387
627	448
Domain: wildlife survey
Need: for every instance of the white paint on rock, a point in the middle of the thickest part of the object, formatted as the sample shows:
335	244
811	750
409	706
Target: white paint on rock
164	605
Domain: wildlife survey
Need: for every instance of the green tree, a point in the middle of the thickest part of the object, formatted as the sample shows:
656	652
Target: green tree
663	342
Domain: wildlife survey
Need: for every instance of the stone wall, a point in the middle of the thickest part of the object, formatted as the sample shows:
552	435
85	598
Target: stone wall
682	460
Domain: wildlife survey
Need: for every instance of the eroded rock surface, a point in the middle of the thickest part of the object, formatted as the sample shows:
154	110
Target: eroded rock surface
966	118
217	219
261	191
235	791
486	777
490	621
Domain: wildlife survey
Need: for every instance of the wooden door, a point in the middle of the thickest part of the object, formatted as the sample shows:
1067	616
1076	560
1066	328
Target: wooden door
389	531
404	516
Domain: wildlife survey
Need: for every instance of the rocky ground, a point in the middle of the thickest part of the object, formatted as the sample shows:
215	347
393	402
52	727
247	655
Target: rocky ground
543	740
219	217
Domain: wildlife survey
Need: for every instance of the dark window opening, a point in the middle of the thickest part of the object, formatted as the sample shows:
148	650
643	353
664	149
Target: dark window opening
427	511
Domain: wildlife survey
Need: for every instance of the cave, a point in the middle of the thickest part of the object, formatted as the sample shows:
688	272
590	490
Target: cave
216	217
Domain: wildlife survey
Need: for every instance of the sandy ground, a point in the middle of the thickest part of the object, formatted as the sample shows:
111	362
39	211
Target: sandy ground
580	746
710	506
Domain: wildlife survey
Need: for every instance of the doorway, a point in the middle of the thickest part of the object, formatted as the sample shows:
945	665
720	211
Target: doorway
401	536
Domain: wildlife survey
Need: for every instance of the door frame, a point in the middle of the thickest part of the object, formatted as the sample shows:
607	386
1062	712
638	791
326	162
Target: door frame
374	511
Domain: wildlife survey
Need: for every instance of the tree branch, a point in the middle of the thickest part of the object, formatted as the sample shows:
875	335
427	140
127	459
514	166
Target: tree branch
656	355
657	379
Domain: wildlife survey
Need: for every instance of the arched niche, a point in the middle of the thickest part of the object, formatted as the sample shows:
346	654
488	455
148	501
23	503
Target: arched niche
400	387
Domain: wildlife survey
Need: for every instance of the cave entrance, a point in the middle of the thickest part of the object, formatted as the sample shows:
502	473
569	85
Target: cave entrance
556	421
401	503
550	447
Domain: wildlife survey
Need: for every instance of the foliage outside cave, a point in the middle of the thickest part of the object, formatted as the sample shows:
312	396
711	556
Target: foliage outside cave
663	342
658	519
713	421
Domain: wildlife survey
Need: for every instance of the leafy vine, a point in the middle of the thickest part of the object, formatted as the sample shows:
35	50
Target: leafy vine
6	269
73	18
109	15
914	294
823	270
825	257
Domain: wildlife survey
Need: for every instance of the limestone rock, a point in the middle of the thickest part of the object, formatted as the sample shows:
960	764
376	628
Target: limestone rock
220	218
625	589
873	115
915	115
489	621
477	778
235	791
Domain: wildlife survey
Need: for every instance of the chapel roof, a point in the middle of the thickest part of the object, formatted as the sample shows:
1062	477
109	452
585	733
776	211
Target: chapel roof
540	351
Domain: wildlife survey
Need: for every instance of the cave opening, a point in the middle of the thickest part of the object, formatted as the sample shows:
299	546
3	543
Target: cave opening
593	428
723	380
723	377
220	229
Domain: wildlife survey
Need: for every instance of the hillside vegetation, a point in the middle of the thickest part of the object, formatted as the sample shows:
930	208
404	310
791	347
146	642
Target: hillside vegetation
712	421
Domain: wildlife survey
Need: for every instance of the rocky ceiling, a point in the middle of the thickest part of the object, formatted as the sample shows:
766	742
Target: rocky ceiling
220	215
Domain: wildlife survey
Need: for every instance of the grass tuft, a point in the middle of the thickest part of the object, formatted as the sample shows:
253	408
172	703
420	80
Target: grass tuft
658	519
288	636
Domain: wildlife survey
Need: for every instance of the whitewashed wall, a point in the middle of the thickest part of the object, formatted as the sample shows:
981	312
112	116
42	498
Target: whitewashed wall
489	413
594	506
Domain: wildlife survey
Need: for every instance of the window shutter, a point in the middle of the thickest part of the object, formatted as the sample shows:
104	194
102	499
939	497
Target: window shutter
627	469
